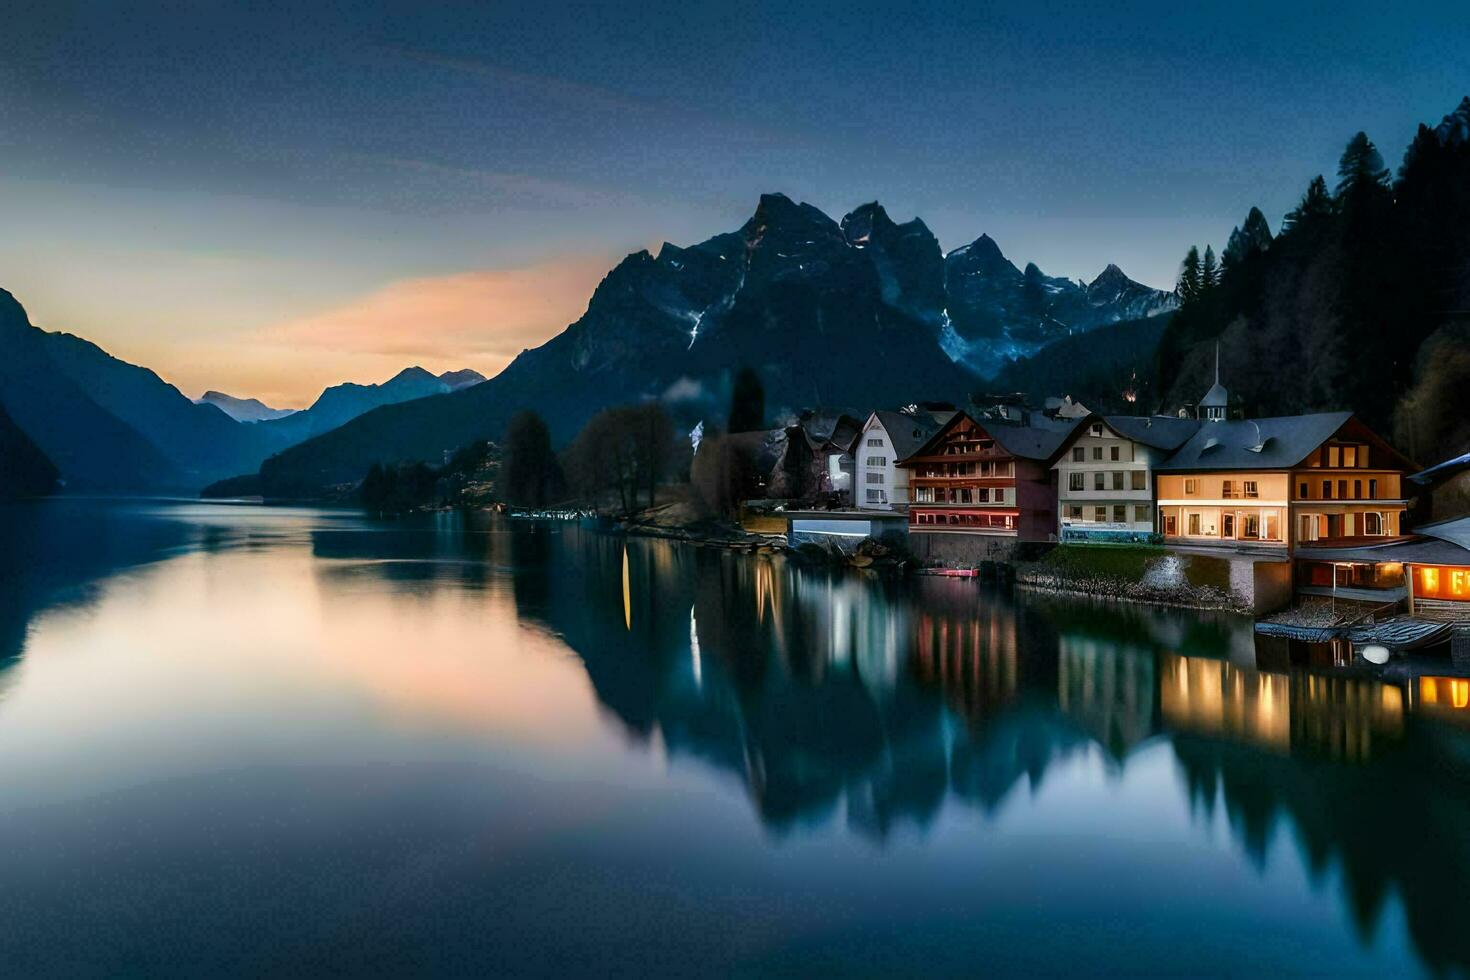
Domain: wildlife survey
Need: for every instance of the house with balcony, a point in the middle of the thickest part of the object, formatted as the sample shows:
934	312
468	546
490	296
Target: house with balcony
1105	475
1270	484
978	485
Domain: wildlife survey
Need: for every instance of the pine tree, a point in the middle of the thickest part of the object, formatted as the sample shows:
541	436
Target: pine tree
1360	170
1189	276
1315	205
1209	272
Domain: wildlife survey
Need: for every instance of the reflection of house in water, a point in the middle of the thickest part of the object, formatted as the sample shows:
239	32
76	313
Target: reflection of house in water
969	654
1335	715
1107	688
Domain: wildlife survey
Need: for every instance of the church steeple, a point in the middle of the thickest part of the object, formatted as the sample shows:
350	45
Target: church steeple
1217	399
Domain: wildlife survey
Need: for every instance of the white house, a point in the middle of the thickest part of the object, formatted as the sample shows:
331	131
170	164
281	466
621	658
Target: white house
886	438
1105	475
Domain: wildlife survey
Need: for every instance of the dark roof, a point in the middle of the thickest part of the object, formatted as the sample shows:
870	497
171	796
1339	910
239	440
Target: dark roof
1442	471
1166	432
1422	550
1255	444
1037	438
1216	397
1455	531
907	432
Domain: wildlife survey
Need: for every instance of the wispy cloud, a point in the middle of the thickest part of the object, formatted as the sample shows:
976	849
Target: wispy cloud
479	318
513	188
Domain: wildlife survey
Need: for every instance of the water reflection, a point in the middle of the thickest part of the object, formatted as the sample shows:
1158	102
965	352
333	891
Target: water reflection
836	695
931	716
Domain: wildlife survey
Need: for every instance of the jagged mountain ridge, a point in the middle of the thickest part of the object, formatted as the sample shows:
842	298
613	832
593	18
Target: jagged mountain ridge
850	314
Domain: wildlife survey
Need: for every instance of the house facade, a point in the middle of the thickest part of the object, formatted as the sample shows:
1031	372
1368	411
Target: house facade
1278	482
886	438
1105	476
986	477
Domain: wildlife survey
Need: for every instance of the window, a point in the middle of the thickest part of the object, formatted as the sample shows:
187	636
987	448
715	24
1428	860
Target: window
1249	488
1100	514
1097	452
923	495
1076	481
875	478
1096	429
1373	489
1115	453
1227	489
1252	524
1357	489
1303	493
1326	489
877	497
1171	525
875	443
1273	526
1118	480
1194	524
1142	514
1074	512
1372	523
961	496
877	460
1120	514
1341	489
1349	456
982	495
1140	480
1078	454
1191	487
1227	525
1099	481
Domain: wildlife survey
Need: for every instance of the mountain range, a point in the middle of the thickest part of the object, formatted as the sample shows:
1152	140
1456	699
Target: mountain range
107	425
848	314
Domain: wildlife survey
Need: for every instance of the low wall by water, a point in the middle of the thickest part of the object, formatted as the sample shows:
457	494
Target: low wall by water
1238	582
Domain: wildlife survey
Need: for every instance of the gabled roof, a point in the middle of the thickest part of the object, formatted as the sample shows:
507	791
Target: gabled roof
1216	397
906	433
1255	444
1163	432
1037	438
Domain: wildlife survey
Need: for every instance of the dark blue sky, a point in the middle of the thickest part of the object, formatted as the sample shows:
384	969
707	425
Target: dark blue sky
223	192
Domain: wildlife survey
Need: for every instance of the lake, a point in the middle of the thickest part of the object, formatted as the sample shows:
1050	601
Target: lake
244	740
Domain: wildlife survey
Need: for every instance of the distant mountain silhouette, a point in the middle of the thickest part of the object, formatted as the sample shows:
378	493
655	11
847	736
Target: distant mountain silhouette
244	409
345	402
462	378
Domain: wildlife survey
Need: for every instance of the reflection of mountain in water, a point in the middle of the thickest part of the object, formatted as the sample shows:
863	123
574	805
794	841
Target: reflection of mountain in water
53	551
829	694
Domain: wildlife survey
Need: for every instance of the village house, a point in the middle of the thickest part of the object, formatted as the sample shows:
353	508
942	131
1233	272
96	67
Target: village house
1275	482
886	438
978	486
1429	571
1105	475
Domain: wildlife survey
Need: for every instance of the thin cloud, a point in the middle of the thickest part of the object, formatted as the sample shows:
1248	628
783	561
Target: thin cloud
516	188
483	317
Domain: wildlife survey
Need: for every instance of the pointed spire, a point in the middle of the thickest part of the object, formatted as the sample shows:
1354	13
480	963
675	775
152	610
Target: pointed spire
1217	362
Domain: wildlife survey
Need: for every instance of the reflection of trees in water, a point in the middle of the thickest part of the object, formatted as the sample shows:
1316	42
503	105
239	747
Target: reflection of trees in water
1398	823
827	694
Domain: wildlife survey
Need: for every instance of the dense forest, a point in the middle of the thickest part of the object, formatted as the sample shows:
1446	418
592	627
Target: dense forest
1360	301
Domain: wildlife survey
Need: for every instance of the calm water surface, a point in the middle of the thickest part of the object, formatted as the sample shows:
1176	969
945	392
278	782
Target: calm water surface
240	741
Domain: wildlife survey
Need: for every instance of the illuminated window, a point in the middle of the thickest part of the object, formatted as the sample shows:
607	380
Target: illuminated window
1191	487
1372	524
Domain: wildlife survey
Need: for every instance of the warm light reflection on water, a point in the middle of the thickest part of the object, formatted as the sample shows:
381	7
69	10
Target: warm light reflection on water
373	740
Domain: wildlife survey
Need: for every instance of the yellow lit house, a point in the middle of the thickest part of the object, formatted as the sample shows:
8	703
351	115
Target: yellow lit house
1275	483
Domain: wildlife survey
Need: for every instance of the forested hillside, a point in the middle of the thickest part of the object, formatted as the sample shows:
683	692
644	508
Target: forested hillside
1359	302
